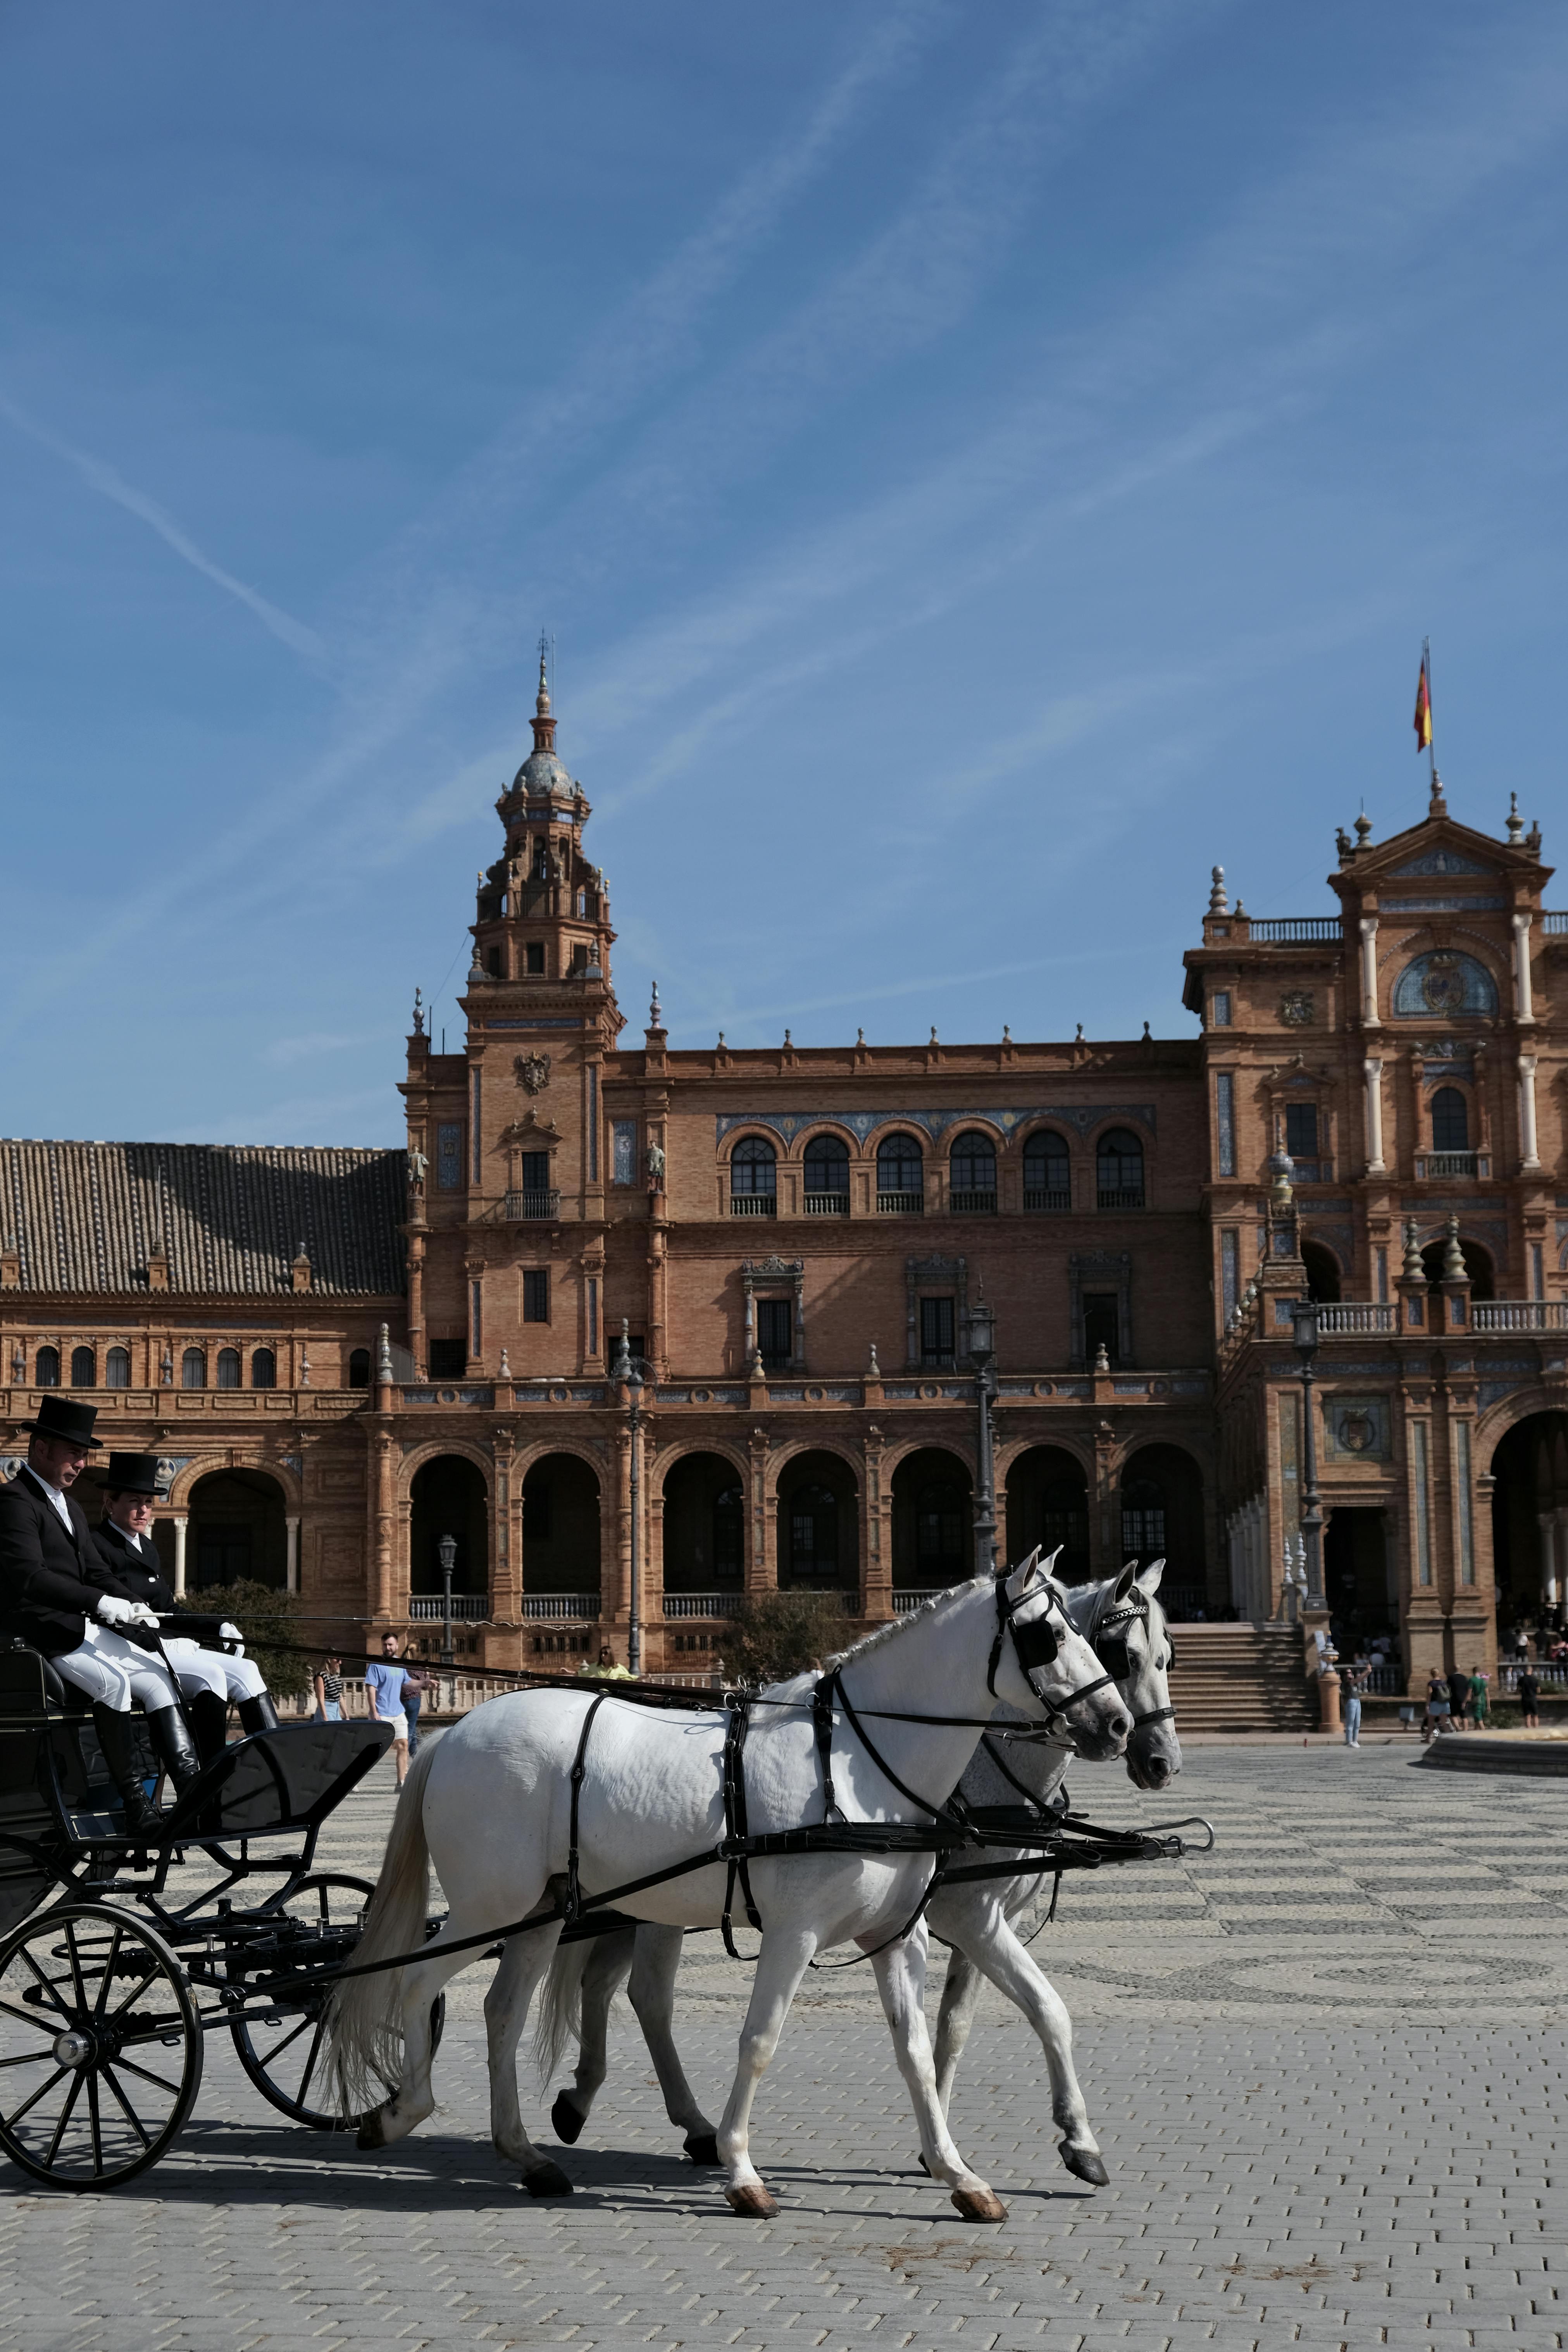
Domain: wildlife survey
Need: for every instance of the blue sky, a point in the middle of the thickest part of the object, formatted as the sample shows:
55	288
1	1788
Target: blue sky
980	466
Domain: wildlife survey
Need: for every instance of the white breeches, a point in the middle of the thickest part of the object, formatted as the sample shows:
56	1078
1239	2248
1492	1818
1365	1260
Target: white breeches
214	1670
114	1673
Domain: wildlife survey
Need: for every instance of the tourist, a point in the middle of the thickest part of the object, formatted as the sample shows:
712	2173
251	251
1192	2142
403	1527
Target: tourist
1481	1699
1529	1692
1355	1680
1458	1695
384	1681
606	1669
329	1686
1436	1707
415	1682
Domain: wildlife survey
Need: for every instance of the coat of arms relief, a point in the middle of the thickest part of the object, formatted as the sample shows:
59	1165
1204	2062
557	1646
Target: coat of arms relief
533	1072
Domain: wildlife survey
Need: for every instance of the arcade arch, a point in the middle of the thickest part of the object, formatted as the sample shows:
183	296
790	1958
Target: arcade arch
448	1496
934	1520
560	1525
704	1525
1048	1504
818	1551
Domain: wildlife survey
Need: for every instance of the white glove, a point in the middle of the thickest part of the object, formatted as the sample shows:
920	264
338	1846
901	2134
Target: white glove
227	1633
113	1611
142	1615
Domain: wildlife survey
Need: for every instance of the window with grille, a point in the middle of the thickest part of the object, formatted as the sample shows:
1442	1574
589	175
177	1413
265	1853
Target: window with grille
775	1333
84	1369
1119	1169
264	1369
228	1368
359	1368
901	1166
449	1359
1143	1518
971	1168
1219	1009
449	1155
1450	1120
117	1368
192	1369
536	1172
753	1167
536	1294
1301	1131
1048	1178
1064	1520
814	1535
827	1170
936	1332
47	1369
940	1551
1100	1328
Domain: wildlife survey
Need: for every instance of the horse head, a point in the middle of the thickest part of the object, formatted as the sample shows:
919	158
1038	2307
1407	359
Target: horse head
1047	1667
1130	1641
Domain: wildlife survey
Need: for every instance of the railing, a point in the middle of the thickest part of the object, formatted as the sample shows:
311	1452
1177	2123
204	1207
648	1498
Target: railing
1126	1196
1553	1676
1184	1604
827	1204
1430	1164
1554	926
1520	1315
578	1608
701	1604
1384	1681
899	1204
1296	926
468	1608
1356	1318
753	1205
911	1596
972	1204
533	1204
1051	1200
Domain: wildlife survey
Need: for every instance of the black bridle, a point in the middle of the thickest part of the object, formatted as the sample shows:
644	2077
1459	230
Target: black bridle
1108	1641
1034	1643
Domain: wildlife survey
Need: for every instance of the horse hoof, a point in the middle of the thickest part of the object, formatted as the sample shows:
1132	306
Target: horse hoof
1086	2166
547	2180
755	2203
979	2205
702	2147
565	2120
370	2133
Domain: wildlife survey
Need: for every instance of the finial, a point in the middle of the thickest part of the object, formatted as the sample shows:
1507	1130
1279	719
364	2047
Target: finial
934	1032
1148	1040
721	1037
1413	1269
1101	1360
1218	903
1078	1038
1240	910
383	1357
787	1038
874	1369
505	1372
304	1370
418	1016
1453	1256
1006	1034
542	705
860	1036
1362	830
655	1014
1439	805
1515	822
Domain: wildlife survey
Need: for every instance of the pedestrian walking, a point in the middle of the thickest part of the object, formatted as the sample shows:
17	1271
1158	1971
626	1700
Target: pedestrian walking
1458	1697
415	1682
1480	1700
329	1688
1437	1708
1354	1681
1528	1690
384	1681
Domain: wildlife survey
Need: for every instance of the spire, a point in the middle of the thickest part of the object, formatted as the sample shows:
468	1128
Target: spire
543	723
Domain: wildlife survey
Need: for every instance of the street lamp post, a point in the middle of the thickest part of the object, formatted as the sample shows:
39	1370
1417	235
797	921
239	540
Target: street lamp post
983	1356
446	1548
1305	1314
629	1370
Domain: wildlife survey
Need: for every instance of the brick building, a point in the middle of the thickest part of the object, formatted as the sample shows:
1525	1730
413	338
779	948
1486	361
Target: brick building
346	1355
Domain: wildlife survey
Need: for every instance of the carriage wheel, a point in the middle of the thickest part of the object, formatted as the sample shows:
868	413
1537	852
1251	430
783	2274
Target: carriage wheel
101	2046
284	2054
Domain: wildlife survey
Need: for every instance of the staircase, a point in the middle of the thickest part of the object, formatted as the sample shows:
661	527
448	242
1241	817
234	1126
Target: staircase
1240	1679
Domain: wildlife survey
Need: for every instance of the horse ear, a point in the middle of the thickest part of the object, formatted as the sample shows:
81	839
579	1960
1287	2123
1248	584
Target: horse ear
1019	1582
1125	1582
1149	1578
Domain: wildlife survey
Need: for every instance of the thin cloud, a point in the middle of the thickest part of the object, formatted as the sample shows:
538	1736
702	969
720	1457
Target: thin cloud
103	479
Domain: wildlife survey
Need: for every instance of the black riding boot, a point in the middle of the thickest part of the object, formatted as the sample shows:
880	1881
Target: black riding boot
172	1743
116	1738
258	1715
209	1720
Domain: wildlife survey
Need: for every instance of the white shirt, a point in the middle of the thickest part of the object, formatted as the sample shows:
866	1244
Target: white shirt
53	1495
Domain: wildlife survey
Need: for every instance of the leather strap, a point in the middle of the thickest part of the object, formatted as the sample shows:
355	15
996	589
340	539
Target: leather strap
579	1767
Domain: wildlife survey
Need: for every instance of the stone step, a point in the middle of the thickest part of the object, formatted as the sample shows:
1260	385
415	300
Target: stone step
1240	1679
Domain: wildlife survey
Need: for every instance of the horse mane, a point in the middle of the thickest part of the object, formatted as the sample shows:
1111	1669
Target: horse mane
880	1635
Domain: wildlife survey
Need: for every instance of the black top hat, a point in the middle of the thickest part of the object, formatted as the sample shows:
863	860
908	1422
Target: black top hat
61	1417
132	1474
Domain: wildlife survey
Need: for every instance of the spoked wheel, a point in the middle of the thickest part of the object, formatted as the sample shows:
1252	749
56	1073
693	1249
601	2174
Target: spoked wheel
101	2046
284	2052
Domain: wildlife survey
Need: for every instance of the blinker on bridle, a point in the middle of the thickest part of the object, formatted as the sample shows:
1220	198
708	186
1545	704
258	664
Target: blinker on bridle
1034	1644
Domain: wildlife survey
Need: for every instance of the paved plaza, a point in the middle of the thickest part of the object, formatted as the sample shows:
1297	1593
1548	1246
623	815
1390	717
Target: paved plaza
1325	2064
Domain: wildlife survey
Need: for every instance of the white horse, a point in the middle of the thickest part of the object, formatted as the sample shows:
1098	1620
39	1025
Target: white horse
491	1804
1121	1618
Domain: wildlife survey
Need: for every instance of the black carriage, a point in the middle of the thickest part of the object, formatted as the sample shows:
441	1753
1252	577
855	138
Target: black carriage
107	1991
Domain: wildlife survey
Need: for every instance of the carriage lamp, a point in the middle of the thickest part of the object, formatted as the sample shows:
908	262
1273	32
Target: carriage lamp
446	1552
1304	1314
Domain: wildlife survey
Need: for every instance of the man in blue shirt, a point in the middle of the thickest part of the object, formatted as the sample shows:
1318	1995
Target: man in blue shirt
384	1680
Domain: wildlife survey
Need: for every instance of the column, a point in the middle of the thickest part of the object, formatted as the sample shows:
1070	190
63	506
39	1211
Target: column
1528	1158
761	1566
385	1474
1369	971
1372	1069
1562	1553
181	1523
1548	1520
293	1524
1523	1007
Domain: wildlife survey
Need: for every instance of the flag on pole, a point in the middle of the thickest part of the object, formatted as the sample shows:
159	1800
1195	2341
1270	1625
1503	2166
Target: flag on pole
1424	709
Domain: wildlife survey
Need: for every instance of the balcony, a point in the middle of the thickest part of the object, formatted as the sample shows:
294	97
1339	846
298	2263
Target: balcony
1053	1203
520	1205
430	1608
1357	1319
701	1605
1444	1166
579	1608
827	1204
753	1205
1125	1196
909	1597
900	1204
973	1204
1287	929
1520	1315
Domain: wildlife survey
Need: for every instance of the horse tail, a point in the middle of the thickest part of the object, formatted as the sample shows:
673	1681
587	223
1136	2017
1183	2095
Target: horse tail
364	2032
559	2018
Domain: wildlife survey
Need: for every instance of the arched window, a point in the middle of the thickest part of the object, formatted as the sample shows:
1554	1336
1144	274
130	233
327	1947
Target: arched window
1119	1169
901	1176
940	1551
84	1369
729	1532
228	1368
1143	1518
1450	1120
754	1178
117	1368
813	1533
264	1369
1048	1178
359	1368
826	1176
47	1369
192	1369
973	1170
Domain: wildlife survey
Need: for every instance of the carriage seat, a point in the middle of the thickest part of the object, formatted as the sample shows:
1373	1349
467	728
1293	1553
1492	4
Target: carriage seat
56	1690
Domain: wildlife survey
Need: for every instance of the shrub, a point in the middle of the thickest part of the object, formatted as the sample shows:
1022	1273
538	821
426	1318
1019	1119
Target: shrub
268	1618
777	1635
